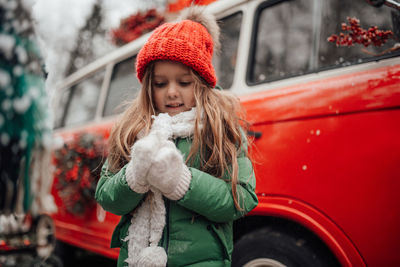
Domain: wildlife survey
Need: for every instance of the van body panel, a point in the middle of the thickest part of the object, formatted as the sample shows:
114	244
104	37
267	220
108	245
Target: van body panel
325	143
356	92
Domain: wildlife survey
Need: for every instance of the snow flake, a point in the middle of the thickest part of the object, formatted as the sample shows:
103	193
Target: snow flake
6	105
34	92
318	132
25	25
5	79
22	143
47	140
4	139
18	70
21	54
11	5
304	167
58	142
1	120
34	66
7	44
22	104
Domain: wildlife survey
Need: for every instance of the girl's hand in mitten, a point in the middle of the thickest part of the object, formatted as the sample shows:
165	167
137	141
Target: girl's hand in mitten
169	173
142	153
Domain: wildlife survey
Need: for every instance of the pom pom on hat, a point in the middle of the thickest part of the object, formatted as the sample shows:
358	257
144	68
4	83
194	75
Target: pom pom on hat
190	41
199	15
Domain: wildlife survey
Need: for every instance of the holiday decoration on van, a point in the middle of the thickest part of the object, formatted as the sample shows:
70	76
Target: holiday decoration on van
357	35
135	26
175	6
78	166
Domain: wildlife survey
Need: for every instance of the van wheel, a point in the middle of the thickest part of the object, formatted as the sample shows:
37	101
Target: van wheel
276	248
51	261
66	253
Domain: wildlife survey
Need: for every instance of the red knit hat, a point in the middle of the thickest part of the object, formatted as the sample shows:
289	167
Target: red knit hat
189	41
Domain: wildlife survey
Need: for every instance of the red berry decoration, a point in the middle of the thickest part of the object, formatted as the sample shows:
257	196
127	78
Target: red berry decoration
357	35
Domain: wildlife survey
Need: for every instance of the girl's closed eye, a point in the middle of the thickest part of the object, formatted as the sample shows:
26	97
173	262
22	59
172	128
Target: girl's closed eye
185	83
159	84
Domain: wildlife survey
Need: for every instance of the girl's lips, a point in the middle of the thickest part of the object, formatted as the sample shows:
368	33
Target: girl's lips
174	105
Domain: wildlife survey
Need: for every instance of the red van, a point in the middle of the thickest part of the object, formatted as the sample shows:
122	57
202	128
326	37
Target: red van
325	126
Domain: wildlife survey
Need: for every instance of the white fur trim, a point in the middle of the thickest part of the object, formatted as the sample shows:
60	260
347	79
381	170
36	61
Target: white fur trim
183	123
180	125
157	220
147	225
152	257
162	125
138	232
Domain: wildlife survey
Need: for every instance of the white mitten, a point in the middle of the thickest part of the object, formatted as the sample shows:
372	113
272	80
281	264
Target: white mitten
142	153
169	173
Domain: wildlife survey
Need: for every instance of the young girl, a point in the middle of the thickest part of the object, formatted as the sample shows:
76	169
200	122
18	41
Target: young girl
177	169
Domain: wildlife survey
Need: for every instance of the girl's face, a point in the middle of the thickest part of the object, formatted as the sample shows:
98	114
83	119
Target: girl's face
173	87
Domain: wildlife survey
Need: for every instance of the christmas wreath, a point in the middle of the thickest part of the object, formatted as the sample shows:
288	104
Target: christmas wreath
135	26
78	165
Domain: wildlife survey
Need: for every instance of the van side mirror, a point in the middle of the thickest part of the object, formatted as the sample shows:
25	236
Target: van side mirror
396	23
395	13
376	3
390	3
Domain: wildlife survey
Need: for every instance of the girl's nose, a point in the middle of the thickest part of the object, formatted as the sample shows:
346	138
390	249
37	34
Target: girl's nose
172	91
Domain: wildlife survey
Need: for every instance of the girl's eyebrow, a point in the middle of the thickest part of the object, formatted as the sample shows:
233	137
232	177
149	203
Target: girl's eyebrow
165	76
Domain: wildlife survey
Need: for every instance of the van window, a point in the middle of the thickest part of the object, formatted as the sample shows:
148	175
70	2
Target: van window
283	40
78	103
335	12
290	37
123	87
224	62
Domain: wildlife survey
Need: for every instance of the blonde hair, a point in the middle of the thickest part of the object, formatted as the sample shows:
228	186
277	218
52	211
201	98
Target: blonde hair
216	143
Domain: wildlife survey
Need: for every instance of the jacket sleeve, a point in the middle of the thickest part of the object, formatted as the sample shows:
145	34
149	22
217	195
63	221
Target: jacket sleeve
212	197
114	194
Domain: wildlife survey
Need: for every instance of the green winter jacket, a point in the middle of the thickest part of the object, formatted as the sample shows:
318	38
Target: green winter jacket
198	229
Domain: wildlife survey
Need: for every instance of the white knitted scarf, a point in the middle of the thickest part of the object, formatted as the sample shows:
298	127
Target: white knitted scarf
148	220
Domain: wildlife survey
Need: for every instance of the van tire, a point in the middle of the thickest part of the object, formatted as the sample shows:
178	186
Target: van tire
277	248
66	253
51	261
